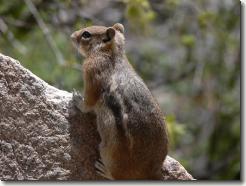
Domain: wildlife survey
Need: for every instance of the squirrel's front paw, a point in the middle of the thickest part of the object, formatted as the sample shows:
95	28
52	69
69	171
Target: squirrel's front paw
78	101
77	97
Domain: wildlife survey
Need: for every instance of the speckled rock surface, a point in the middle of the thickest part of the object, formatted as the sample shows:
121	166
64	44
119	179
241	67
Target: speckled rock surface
173	170
43	136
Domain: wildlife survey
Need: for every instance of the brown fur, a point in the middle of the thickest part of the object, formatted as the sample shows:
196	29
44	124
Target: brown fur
133	134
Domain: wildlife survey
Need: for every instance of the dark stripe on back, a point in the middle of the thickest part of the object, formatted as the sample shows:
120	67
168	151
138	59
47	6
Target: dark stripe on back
114	105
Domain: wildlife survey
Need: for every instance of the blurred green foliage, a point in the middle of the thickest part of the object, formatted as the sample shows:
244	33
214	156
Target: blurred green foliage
188	53
176	130
139	14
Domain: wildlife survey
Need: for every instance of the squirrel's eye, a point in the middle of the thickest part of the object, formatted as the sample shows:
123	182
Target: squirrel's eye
86	34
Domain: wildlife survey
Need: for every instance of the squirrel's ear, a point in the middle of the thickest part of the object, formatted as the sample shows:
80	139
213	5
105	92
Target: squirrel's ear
110	33
119	27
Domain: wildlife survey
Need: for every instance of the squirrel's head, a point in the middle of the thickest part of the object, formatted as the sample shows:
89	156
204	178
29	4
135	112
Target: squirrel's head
93	39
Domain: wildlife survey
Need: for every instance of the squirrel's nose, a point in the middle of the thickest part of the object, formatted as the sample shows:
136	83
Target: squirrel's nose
73	37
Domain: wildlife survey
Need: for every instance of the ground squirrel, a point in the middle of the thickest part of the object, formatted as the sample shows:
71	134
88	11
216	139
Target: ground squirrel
130	123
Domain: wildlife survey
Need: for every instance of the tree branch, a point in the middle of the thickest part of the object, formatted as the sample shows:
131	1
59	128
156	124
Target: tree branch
46	32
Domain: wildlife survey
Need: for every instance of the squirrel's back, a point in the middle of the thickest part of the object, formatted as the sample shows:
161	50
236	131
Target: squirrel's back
139	129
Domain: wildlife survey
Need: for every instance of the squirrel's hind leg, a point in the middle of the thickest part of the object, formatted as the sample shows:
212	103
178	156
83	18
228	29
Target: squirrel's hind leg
101	170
